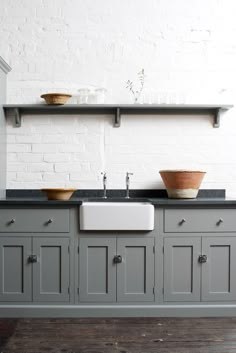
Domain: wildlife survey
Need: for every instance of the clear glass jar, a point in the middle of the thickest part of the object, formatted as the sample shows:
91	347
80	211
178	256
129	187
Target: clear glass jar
83	95
101	95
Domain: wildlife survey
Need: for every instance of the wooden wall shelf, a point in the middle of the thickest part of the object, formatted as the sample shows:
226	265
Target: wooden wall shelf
16	111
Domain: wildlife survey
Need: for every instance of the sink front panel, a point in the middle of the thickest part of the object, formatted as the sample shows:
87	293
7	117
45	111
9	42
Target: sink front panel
116	216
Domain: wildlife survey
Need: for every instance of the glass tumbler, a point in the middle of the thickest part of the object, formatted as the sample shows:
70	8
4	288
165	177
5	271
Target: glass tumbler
83	95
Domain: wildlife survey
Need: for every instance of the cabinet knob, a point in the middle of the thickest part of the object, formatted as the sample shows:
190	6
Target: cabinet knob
183	220
117	259
50	221
220	221
202	259
12	221
33	258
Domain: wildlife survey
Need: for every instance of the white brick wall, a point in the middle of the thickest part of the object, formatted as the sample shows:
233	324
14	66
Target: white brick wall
186	47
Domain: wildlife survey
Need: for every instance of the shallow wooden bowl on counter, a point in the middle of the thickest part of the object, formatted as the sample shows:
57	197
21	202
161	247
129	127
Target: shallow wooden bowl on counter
59	193
182	184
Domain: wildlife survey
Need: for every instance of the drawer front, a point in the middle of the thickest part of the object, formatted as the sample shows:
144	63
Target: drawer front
35	221
199	220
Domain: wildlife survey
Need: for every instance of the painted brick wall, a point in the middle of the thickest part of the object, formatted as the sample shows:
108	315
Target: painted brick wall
188	51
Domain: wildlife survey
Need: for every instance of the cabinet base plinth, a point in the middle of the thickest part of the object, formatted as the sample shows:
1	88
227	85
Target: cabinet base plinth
94	311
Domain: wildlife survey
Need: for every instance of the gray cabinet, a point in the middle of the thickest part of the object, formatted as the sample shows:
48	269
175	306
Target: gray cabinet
218	273
34	269
48	220
51	271
186	278
135	274
116	269
181	269
15	271
199	220
97	271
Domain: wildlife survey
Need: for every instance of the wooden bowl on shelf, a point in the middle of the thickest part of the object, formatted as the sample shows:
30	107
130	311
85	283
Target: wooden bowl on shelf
56	98
62	194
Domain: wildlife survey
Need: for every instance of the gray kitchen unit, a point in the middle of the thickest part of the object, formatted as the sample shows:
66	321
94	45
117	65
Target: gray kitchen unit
186	266
4	69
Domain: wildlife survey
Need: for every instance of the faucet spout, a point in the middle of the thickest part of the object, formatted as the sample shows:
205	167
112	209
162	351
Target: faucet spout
127	181
104	184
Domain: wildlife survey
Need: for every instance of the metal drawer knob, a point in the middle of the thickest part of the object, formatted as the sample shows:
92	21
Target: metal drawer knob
220	221
12	221
183	220
117	259
202	259
32	259
50	221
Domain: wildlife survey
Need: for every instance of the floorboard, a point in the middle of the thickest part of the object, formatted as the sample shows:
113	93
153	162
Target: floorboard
136	335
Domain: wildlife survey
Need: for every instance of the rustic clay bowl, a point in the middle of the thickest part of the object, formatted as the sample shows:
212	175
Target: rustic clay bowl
182	184
56	98
59	193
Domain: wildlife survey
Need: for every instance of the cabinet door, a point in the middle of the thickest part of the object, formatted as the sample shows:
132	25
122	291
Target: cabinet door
181	269
135	274
218	273
51	271
97	271
15	270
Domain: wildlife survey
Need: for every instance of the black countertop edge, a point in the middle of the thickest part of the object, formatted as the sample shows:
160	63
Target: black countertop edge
25	198
157	202
115	193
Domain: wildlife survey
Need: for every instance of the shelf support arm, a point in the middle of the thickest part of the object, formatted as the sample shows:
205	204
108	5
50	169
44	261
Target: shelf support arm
15	114
217	114
117	118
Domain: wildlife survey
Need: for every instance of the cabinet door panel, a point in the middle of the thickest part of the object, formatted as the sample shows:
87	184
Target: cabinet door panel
135	274
218	273
15	271
181	269
51	271
97	272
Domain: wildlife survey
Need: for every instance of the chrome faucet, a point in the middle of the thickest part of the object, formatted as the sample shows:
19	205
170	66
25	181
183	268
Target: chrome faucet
127	181
104	179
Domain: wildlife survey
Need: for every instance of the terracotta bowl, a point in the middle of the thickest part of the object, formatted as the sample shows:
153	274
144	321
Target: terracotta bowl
59	193
56	98
182	184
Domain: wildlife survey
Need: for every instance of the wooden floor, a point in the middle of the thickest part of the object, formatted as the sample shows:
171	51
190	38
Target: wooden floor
143	335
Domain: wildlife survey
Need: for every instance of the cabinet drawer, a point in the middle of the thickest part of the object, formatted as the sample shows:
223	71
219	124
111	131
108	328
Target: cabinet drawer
199	220
36	220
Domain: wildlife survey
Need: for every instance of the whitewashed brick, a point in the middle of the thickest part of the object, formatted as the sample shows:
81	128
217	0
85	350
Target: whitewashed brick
83	176
57	177
16	147
57	157
29	157
40	167
68	167
17	167
72	148
42	148
28	139
25	177
182	49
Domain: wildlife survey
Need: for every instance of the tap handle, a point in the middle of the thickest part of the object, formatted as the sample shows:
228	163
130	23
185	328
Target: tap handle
104	178
128	174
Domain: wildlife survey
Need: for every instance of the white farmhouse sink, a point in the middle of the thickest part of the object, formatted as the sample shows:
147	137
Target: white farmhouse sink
116	216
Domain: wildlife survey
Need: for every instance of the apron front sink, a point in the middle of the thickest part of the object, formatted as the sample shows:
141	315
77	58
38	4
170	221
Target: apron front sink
116	216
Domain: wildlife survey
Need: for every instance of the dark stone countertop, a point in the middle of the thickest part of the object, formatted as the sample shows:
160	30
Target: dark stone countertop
206	198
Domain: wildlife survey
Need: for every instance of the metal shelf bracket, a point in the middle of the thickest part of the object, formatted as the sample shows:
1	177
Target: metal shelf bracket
216	123
117	118
15	114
